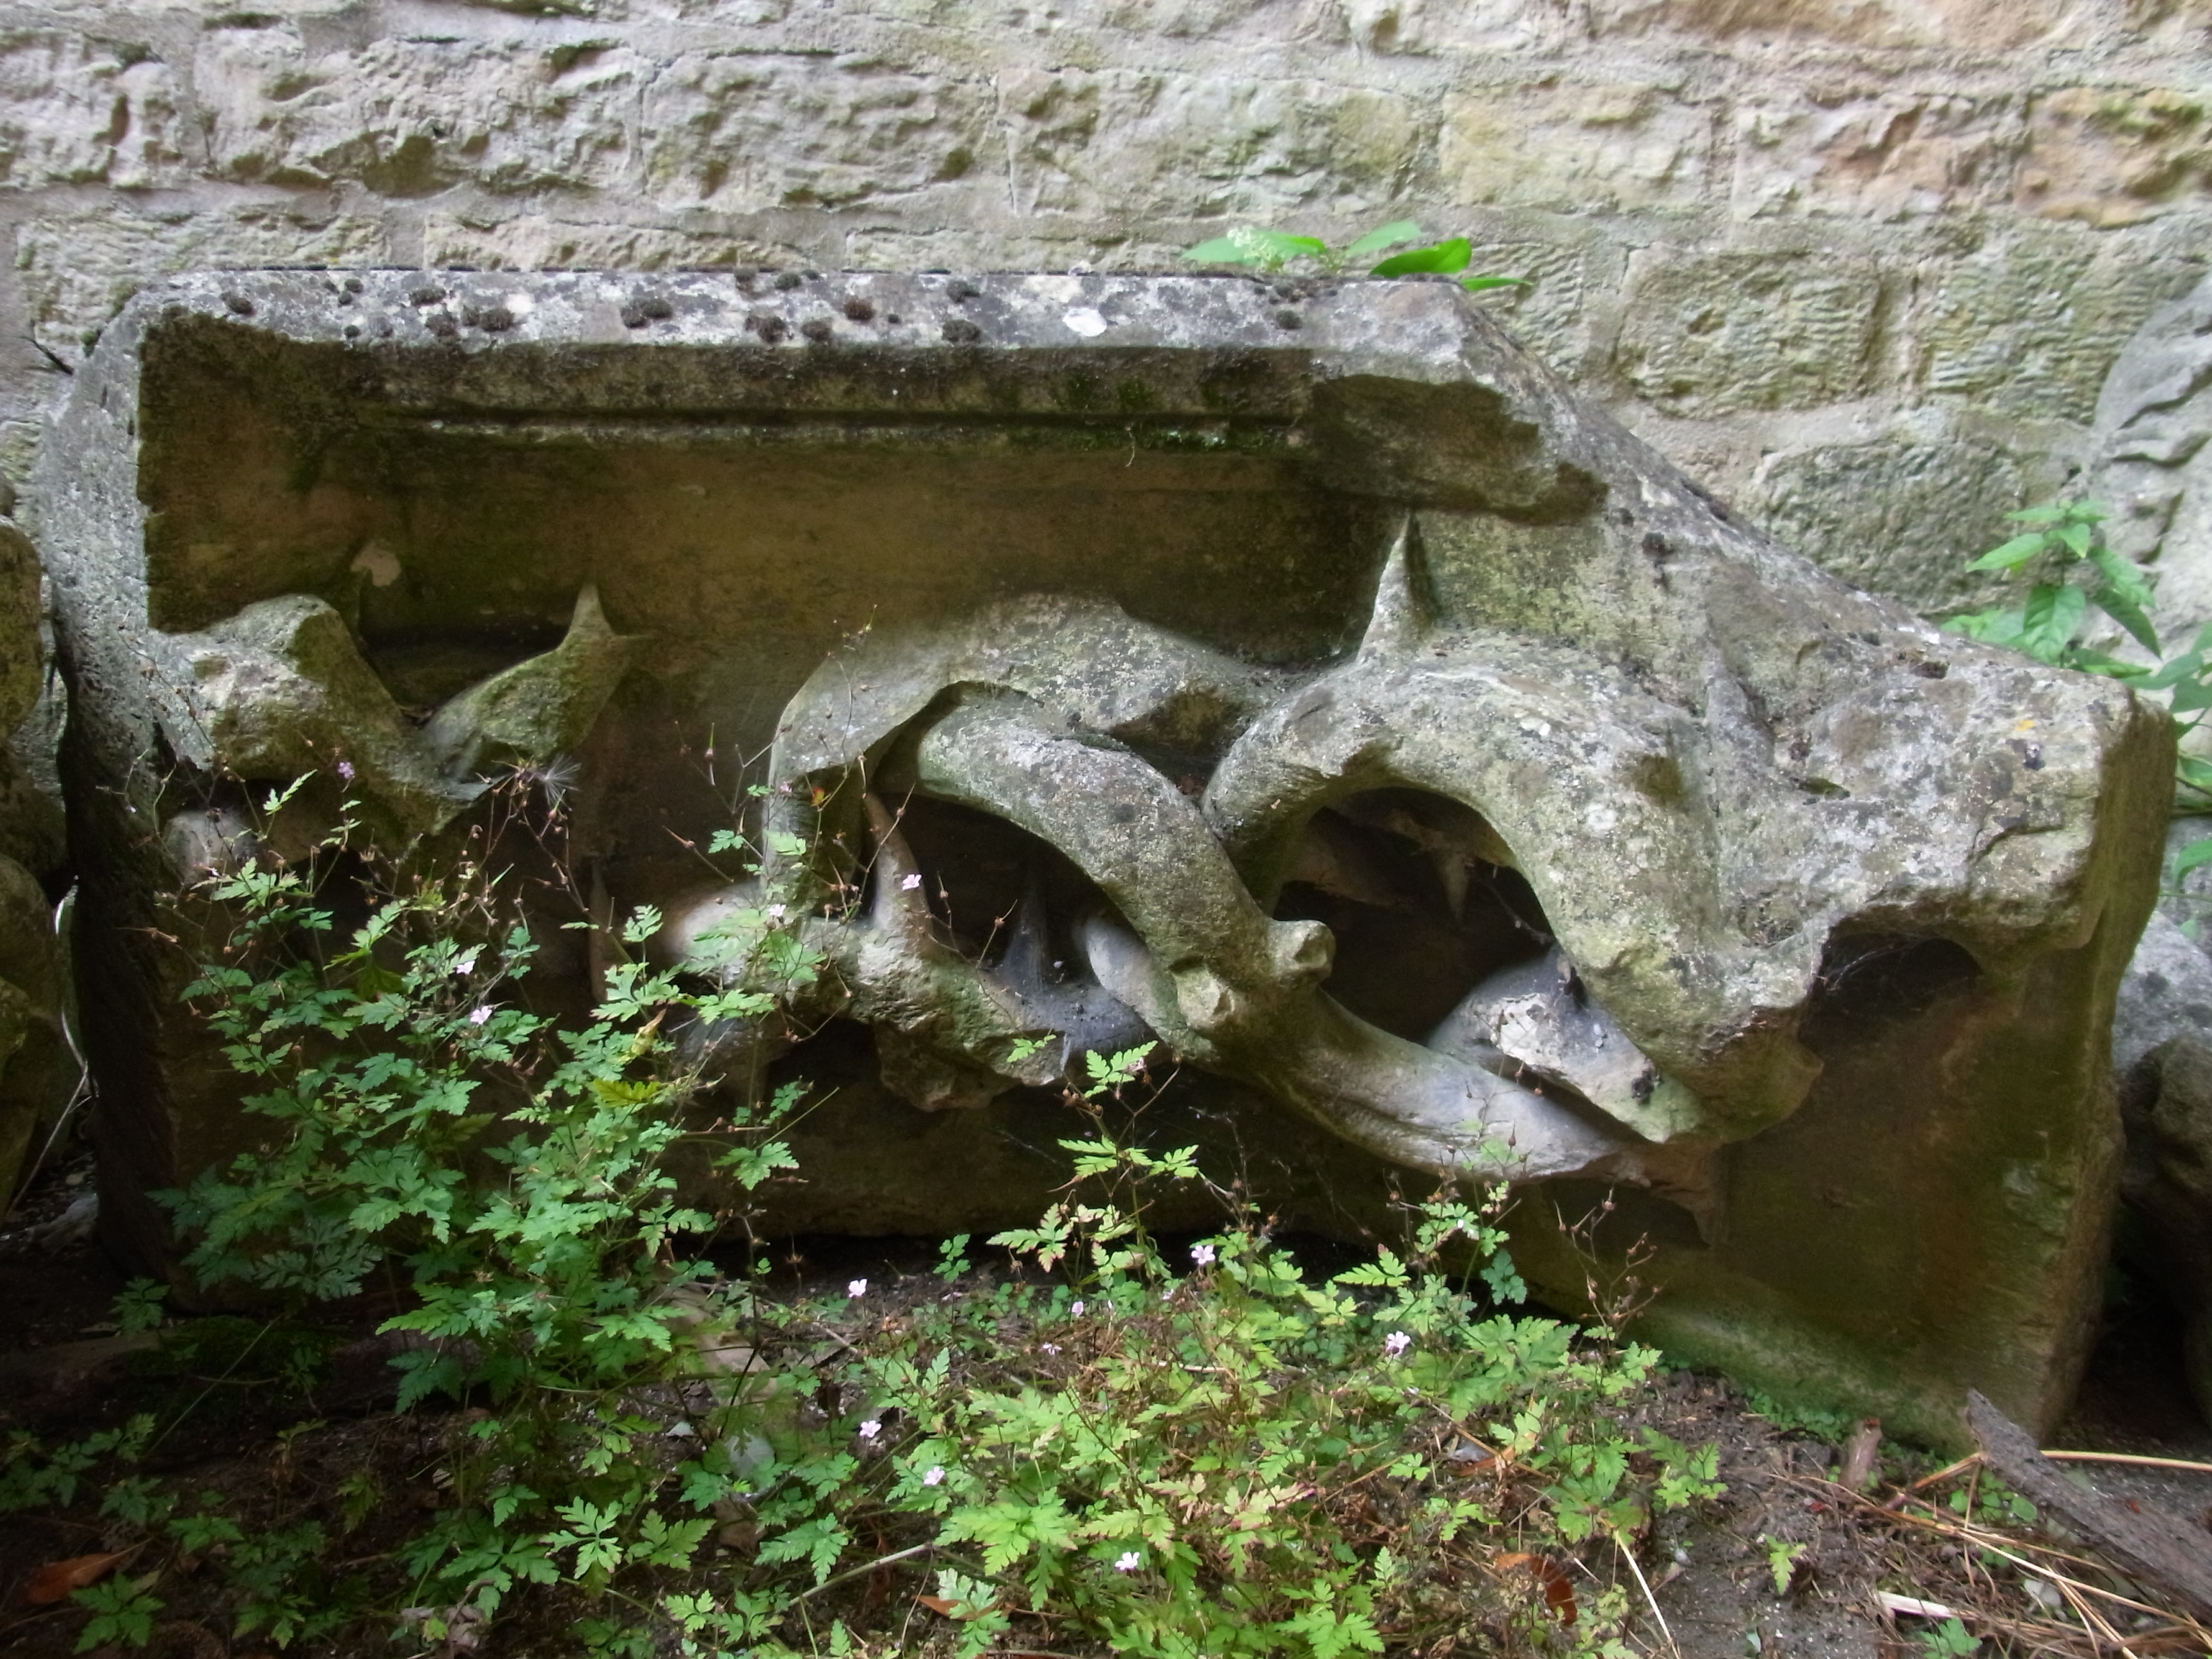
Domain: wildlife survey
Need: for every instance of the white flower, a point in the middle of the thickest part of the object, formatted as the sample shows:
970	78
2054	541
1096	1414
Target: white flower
870	1429
857	1289
1075	1310
1396	1343
1202	1254
464	965
935	1477
775	912
908	884
478	1015
1050	1347
1130	1562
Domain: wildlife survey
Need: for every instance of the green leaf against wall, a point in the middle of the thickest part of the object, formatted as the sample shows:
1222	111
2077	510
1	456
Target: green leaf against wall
1445	257
2055	611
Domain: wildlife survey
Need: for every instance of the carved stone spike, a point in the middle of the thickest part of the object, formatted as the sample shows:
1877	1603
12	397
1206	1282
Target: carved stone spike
281	689
540	708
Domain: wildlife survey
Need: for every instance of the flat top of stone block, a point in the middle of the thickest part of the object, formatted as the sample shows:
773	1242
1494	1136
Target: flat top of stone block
1412	322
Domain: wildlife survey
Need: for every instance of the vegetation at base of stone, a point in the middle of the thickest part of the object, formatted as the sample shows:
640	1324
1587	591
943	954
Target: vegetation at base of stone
2062	553
1102	1447
1267	250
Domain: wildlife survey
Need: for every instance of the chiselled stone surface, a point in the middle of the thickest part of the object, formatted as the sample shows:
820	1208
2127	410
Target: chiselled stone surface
1296	676
744	130
2111	155
1982	24
2031	326
537	241
1873	153
409	117
77	270
1898	518
1713	332
1585	148
1119	142
76	111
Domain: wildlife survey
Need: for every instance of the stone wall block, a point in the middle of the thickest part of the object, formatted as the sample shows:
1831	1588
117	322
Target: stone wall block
1184	20
1183	146
75	111
76	270
1552	318
1571	147
1874	155
2112	156
1983	25
1706	333
538	242
408	117
745	131
2028	326
1438	27
1897	516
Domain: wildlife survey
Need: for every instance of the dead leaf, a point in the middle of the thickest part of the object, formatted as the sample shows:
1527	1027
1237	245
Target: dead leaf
58	1580
1558	1589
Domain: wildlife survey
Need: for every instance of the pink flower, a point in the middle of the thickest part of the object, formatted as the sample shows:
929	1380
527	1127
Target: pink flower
910	882
857	1289
1075	1310
934	1478
478	1015
1202	1254
870	1429
1396	1343
345	770
1130	1562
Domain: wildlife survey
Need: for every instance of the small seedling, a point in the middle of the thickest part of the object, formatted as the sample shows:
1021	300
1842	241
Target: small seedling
1781	1560
1949	1640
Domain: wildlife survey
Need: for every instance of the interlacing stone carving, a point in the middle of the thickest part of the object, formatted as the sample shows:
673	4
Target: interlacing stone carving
1449	788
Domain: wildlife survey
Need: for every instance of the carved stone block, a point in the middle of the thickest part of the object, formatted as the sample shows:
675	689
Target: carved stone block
1295	675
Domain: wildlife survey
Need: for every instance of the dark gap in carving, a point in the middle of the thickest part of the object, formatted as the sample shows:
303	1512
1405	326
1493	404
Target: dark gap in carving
1638	1215
422	667
977	869
1870	981
1421	916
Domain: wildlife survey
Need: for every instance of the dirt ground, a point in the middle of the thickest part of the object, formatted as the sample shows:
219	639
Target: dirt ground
254	1437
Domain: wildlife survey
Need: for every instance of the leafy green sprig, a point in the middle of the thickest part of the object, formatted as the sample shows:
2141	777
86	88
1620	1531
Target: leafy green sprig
1265	250
2072	573
1165	1453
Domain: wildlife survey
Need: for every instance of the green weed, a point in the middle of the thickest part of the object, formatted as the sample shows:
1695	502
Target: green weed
1089	1444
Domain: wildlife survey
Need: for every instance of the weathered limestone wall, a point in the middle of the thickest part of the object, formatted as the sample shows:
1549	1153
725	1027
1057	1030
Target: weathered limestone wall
1860	264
